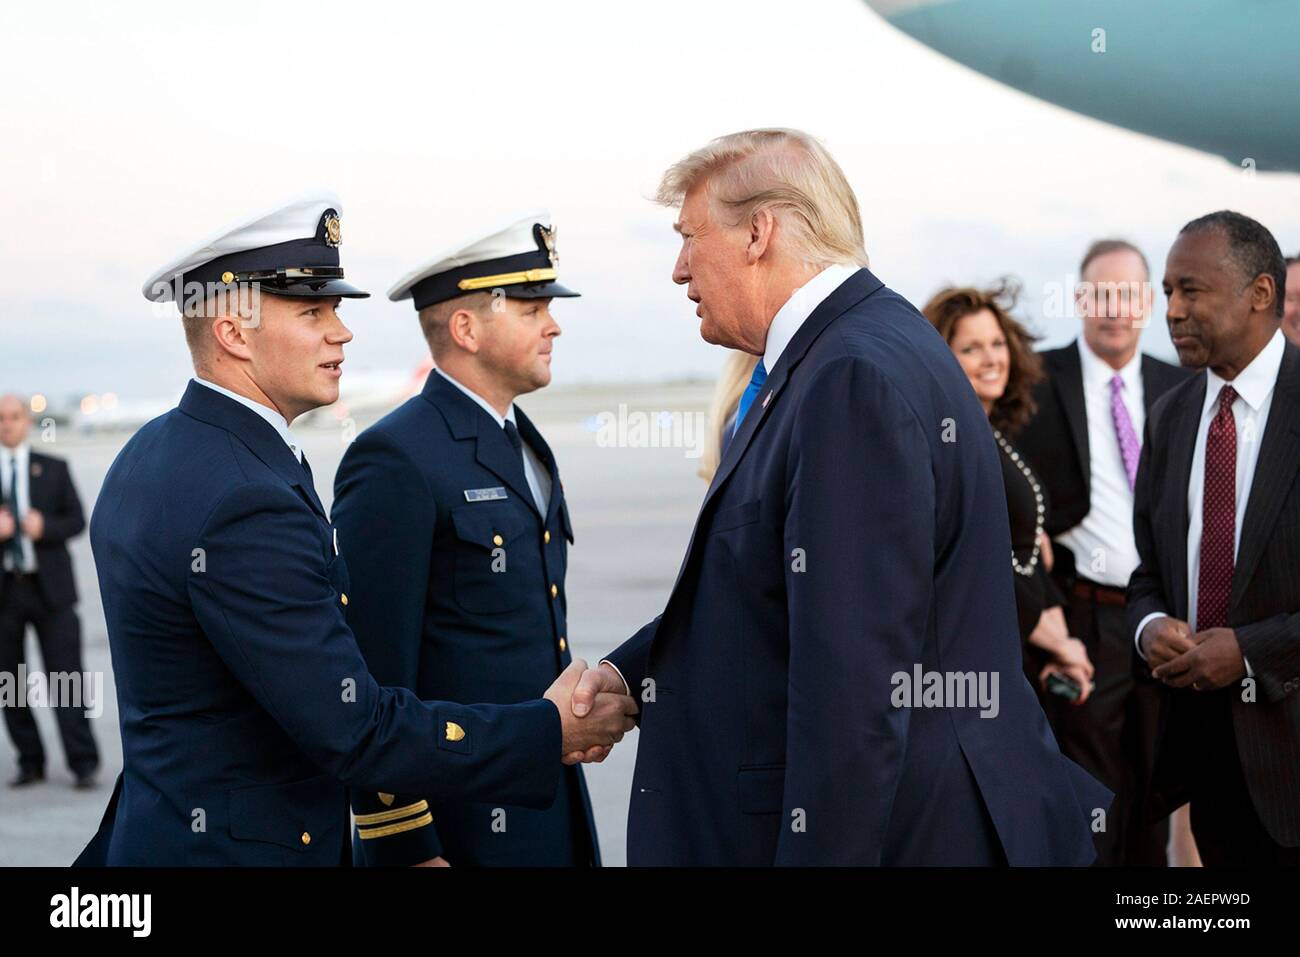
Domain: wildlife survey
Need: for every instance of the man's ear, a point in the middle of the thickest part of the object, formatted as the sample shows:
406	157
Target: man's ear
462	326
1263	294
762	226
231	334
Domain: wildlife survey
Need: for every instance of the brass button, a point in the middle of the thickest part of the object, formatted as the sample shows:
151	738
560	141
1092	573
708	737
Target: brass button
306	838
546	537
497	540
343	598
554	590
563	644
454	731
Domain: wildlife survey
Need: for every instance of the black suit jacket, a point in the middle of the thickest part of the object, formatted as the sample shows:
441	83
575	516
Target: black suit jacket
52	493
1055	441
1264	608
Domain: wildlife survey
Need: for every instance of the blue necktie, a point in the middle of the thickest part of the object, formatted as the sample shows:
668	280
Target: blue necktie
750	394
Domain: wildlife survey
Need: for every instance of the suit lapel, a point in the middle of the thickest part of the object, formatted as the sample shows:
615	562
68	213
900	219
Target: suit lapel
1178	470
308	486
849	293
1150	386
492	449
1275	471
533	438
255	433
495	453
39	490
1068	382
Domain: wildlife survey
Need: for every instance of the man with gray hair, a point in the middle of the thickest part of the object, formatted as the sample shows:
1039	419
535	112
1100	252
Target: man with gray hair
854	540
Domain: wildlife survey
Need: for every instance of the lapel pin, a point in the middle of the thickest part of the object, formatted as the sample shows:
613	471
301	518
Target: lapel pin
766	399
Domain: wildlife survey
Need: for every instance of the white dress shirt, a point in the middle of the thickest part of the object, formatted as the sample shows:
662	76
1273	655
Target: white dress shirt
1103	545
23	455
538	478
799	307
1254	385
276	420
782	329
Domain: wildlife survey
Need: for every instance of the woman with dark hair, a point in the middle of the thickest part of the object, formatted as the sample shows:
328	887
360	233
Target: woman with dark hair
996	353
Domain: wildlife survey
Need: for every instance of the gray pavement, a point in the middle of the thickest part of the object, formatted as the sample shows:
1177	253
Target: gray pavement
632	508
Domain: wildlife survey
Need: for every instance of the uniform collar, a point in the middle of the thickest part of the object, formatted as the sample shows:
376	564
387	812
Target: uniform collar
1254	383
483	403
1097	372
799	307
275	419
253	431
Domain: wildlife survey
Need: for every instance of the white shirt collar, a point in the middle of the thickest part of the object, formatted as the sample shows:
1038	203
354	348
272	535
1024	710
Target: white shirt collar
1098	372
274	418
799	307
1254	383
21	452
483	403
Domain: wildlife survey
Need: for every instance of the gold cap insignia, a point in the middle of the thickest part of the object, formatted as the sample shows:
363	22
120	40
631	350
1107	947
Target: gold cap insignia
454	731
548	239
333	231
385	799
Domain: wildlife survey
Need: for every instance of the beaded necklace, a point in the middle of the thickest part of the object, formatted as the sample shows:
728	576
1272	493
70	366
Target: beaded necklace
1012	454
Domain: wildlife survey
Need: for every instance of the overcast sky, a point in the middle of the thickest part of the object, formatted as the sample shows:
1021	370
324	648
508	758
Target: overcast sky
130	131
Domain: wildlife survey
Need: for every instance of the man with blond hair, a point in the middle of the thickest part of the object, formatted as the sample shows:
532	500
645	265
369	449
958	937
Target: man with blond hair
836	676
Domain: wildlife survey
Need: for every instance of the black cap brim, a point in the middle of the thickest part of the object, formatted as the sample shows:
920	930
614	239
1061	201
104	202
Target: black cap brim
538	290
315	289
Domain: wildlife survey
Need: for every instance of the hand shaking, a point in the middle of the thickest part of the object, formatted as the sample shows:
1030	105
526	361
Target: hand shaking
594	712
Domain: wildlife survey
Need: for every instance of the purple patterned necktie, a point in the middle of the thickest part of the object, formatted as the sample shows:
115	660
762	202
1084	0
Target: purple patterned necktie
1130	447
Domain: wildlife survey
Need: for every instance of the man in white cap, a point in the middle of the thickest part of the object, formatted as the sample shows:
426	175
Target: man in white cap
246	708
453	518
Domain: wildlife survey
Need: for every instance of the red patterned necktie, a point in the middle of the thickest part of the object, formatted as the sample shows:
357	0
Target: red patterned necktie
1219	516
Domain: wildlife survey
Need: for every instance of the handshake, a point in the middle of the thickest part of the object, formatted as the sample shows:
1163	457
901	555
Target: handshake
595	711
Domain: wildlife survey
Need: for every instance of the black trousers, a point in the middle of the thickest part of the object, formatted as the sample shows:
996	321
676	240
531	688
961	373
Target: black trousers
59	632
1227	828
1113	734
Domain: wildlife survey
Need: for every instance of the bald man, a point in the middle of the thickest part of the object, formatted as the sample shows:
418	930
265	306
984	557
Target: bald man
39	512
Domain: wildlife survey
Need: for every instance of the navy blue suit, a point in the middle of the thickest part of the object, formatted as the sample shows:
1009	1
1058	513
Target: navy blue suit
246	708
459	596
856	527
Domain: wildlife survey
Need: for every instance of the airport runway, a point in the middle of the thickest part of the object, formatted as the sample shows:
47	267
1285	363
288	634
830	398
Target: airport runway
632	509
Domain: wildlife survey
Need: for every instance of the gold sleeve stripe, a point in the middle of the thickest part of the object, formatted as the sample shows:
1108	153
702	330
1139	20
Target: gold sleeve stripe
397	828
394	814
